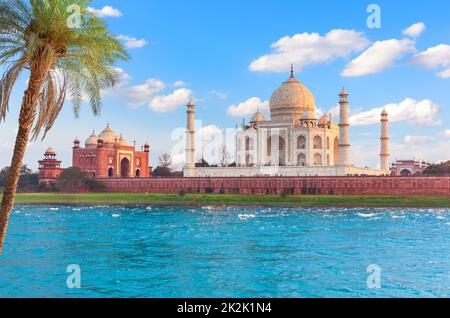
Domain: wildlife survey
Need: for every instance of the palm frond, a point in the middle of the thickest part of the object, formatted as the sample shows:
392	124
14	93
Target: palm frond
6	85
80	60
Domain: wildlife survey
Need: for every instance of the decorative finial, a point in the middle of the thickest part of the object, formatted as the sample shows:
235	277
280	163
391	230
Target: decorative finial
292	70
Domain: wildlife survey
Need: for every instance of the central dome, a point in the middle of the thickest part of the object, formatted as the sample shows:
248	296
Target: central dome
108	135
290	100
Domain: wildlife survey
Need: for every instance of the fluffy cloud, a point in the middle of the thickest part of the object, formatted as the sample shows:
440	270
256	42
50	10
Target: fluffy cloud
415	30
310	49
131	42
106	11
419	113
445	133
168	103
437	57
208	131
180	83
136	95
414	140
380	56
249	107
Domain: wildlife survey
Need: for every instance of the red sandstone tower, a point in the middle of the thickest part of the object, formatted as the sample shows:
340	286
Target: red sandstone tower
49	168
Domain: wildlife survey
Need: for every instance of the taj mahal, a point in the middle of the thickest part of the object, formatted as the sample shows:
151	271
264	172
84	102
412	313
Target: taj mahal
293	142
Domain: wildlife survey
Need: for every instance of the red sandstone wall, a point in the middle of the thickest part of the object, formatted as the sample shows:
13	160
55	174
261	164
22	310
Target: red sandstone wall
275	185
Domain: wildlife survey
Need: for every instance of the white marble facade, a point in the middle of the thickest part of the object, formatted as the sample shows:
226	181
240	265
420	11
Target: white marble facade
294	142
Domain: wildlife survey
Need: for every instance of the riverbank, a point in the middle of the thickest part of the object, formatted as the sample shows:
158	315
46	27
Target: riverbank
238	200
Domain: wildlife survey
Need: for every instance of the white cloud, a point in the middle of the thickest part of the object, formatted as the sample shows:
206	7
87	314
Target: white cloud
414	140
415	30
419	113
168	103
445	133
131	42
434	58
310	49
136	95
219	95
380	56
249	107
208	131
180	83
106	11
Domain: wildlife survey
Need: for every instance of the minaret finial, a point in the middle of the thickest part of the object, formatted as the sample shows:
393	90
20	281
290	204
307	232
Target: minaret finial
292	70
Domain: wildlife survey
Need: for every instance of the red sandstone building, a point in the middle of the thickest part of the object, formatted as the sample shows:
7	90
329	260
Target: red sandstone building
110	156
49	167
405	168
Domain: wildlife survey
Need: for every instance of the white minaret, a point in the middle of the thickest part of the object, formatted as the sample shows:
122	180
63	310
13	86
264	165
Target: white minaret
189	168
384	154
344	126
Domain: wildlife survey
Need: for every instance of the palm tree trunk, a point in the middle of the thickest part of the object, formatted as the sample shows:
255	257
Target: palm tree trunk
26	118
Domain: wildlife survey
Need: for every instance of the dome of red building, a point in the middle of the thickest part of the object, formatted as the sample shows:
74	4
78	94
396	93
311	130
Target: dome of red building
108	135
50	151
92	141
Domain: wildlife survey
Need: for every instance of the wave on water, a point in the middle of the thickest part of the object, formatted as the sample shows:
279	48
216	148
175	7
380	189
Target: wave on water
116	215
363	215
54	209
246	216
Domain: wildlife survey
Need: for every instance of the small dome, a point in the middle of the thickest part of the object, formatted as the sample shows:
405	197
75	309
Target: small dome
258	118
384	113
343	92
290	100
91	141
76	141
108	135
50	151
122	141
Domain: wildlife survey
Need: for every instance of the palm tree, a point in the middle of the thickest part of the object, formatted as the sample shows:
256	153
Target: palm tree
63	49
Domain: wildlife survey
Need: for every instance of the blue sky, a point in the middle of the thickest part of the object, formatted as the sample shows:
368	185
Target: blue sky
211	50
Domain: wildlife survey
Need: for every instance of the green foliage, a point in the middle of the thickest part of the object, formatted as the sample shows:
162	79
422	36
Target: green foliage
162	172
71	180
65	41
438	169
28	180
74	180
95	185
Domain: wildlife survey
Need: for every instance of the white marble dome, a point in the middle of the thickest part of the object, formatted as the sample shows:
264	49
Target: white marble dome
108	135
122	141
91	141
290	100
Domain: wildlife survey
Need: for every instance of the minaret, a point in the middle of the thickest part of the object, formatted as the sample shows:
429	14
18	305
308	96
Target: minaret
384	154
344	126
189	168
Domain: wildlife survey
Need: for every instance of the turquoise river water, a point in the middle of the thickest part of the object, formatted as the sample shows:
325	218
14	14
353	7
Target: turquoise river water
141	251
